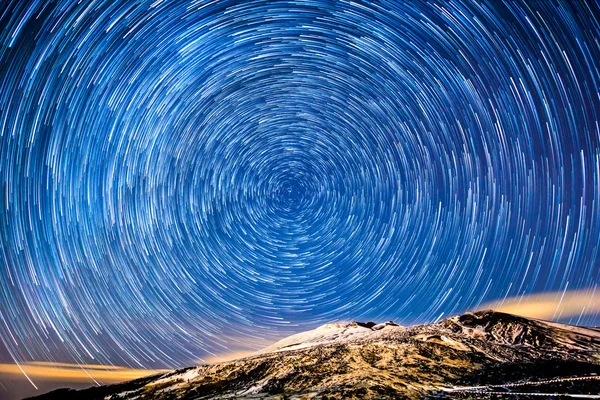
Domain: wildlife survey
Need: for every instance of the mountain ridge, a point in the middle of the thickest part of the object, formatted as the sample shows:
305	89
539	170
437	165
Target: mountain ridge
384	361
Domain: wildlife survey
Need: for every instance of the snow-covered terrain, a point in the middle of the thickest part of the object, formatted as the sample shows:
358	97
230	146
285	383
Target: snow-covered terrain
330	333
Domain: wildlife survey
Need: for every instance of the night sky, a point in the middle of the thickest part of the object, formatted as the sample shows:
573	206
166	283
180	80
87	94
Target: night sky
180	179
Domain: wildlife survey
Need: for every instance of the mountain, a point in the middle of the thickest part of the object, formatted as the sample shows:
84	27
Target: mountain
475	355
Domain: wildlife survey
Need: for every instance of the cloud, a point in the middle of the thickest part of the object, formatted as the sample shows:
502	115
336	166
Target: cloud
50	371
551	305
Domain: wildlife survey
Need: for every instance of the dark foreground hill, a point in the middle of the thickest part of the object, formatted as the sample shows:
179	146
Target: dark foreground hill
485	354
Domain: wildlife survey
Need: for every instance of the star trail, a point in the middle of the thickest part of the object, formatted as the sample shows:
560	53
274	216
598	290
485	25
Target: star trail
180	176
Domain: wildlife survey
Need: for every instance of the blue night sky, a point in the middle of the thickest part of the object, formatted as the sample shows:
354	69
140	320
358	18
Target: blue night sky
179	178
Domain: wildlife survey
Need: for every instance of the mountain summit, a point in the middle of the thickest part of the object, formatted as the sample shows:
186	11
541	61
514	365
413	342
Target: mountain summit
475	355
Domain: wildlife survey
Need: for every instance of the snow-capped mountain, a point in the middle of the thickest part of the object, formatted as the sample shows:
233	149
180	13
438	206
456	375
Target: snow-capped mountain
329	333
469	356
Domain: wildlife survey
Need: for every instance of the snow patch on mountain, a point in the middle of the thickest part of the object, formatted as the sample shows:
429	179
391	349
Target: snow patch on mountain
330	333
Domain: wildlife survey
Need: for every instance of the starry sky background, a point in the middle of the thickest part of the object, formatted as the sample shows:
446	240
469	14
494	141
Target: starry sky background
181	178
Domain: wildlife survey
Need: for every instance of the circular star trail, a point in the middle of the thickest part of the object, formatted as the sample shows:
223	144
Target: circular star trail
179	175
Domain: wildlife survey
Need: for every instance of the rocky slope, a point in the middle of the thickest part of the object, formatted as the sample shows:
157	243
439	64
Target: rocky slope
480	353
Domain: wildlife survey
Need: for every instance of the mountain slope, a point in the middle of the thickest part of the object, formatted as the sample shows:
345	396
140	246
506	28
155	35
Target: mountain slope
365	360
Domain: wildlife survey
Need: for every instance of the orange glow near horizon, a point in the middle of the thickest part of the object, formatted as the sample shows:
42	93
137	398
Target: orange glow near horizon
219	358
50	371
